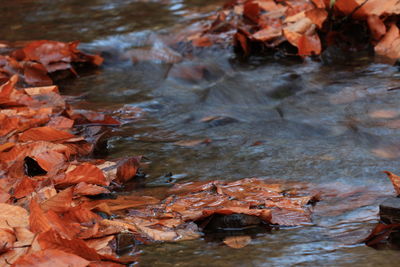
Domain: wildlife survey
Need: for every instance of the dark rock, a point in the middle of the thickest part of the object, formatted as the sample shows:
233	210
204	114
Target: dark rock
389	210
125	243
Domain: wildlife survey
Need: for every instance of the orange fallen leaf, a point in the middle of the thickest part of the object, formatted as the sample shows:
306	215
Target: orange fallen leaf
317	16
191	143
25	187
45	133
84	172
127	169
51	258
61	123
60	202
86	189
237	241
13	216
389	45
309	45
395	181
376	26
52	240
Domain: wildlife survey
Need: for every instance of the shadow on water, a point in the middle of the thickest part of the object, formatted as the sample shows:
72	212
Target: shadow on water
331	124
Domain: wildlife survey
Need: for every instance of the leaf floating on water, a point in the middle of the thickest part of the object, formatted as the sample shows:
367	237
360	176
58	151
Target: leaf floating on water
192	143
237	241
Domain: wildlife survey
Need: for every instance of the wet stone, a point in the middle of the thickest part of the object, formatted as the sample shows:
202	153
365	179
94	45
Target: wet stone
125	243
389	210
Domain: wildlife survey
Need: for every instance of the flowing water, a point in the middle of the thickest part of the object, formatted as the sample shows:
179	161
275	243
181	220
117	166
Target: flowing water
333	125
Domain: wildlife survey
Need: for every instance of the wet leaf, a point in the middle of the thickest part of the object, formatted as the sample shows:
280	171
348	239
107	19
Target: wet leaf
52	240
89	189
192	143
13	216
389	45
45	134
376	26
84	172
309	45
395	181
237	241
51	258
60	202
127	169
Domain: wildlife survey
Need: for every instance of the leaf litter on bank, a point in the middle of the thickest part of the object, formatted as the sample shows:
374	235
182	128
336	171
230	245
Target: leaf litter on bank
48	180
308	26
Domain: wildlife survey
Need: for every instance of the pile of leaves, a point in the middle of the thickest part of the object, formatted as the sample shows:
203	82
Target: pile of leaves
49	183
36	61
310	26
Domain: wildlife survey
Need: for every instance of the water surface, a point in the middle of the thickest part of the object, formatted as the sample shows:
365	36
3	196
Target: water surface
333	126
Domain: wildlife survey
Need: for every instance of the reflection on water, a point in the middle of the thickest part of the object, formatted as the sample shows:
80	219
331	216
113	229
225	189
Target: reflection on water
332	126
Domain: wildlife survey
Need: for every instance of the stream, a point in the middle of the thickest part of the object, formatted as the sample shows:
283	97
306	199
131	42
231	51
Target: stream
331	124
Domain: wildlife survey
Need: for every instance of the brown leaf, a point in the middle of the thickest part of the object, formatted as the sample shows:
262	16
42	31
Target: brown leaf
84	172
51	258
85	189
38	220
61	123
52	240
36	74
45	134
319	3
317	16
60	202
237	241
13	216
25	187
252	11
395	181
241	40
192	143
267	34
50	161
376	26
309	45
128	168
7	239
32	91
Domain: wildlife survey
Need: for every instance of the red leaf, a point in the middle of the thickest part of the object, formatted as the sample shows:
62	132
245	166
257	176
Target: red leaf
317	16
25	187
38	220
50	161
85	172
389	45
309	45
237	241
60	202
252	11
85	189
52	240
127	169
395	181
376	26
51	258
36	74
44	134
319	3
60	122
241	40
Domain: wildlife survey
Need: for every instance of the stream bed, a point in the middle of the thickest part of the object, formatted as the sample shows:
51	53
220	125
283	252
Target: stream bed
333	124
